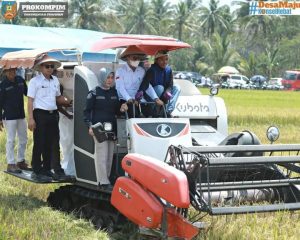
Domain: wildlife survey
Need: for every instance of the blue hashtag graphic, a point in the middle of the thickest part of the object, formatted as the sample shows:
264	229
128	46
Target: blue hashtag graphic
252	8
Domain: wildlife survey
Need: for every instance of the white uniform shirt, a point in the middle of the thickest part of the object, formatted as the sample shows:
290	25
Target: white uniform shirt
44	92
129	81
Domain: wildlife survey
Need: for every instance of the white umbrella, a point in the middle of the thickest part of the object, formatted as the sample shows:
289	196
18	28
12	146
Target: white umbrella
228	70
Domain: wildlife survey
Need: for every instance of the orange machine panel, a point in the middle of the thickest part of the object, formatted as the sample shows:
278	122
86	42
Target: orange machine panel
158	177
134	202
179	227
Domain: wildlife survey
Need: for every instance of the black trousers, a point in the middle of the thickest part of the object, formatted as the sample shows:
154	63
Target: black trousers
45	153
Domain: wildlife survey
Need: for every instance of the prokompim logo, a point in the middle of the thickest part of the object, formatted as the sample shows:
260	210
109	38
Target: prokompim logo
274	8
9	9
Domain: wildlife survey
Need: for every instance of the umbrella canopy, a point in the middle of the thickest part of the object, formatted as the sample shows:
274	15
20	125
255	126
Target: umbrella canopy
24	58
228	70
259	78
148	44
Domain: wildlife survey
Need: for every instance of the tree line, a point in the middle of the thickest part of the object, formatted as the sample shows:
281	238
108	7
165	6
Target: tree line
266	45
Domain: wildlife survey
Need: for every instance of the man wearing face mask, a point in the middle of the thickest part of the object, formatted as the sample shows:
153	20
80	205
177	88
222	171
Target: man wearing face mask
129	77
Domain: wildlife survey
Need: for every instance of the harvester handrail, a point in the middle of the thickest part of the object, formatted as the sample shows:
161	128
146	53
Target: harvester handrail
253	160
244	148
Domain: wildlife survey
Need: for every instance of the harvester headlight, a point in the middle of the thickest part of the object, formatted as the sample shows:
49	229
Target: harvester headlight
107	126
214	90
273	133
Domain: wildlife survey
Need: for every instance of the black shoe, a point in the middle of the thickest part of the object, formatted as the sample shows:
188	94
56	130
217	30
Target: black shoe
60	175
40	177
106	187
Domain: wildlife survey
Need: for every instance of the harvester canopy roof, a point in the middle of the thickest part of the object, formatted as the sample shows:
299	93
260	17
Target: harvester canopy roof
146	43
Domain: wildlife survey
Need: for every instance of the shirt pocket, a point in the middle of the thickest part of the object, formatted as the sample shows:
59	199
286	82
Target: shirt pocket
43	91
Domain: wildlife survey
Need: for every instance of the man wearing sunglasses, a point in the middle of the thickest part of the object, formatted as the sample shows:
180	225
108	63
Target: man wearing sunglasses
129	77
43	93
12	117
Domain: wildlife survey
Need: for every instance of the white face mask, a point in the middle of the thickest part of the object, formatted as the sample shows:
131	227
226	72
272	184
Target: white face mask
134	63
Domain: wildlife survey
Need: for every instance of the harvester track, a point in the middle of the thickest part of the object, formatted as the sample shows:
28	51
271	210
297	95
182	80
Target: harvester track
88	204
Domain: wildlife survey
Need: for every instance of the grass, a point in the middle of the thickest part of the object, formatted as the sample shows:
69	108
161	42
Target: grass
24	213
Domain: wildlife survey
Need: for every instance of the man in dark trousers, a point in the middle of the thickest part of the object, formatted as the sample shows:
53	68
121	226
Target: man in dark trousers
12	117
43	92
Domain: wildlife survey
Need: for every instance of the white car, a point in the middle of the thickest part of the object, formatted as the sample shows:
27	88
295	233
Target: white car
275	84
237	81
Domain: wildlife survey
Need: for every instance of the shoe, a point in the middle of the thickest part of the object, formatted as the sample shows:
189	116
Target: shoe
13	168
58	175
106	187
40	177
23	165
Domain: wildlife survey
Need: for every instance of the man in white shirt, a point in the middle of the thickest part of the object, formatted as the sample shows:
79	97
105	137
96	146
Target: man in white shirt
43	92
129	78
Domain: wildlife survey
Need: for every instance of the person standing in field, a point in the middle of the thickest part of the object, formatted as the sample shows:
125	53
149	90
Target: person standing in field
12	118
43	93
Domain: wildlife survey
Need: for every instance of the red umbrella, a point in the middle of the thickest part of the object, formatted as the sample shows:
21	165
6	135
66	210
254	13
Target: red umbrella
148	44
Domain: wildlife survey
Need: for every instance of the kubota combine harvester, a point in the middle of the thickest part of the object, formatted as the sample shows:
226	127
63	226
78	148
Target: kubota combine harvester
163	166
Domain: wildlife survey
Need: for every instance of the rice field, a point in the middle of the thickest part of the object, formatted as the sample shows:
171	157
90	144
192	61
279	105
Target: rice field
24	213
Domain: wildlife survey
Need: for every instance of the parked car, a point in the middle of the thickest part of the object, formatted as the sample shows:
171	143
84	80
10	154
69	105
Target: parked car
234	81
194	77
275	84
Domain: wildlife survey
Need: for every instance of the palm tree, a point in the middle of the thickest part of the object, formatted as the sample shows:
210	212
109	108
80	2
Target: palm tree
137	16
213	17
271	60
92	14
250	66
162	12
183	18
220	53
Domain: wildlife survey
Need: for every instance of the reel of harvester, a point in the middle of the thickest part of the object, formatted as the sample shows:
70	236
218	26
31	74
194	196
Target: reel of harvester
262	178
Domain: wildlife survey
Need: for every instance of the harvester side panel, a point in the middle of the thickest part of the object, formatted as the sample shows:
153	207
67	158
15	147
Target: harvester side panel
158	177
136	203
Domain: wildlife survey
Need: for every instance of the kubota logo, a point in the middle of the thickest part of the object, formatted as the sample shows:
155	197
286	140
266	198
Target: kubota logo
164	130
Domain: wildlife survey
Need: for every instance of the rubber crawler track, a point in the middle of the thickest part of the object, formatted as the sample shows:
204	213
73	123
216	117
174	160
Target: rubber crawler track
88	204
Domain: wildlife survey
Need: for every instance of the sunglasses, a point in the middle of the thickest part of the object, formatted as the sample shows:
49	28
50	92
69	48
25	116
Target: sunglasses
49	66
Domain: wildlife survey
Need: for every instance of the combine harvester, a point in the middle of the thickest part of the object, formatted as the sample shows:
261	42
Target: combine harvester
162	166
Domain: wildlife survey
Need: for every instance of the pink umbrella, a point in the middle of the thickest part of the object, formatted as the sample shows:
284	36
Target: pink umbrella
148	44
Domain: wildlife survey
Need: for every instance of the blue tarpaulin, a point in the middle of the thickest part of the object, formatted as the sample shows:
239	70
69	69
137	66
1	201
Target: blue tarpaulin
17	37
